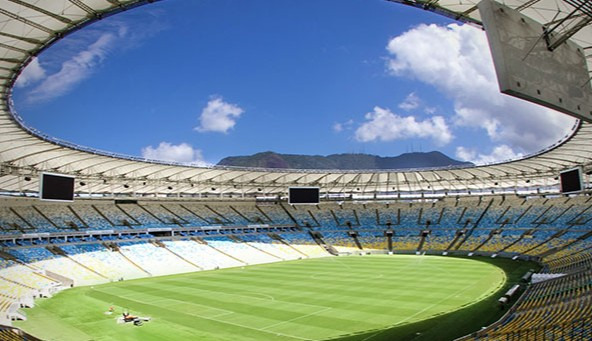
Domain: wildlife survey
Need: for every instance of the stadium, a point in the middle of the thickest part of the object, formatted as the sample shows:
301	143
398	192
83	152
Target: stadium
492	252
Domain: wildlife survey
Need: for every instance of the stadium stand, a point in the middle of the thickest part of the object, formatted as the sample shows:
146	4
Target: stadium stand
108	241
556	309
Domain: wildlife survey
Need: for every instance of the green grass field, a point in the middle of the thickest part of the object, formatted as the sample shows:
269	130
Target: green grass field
313	299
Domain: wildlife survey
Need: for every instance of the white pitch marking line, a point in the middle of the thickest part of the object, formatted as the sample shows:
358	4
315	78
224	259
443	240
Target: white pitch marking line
259	329
255	294
223	314
296	318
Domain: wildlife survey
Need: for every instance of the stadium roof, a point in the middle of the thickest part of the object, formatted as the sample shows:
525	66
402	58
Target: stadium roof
27	27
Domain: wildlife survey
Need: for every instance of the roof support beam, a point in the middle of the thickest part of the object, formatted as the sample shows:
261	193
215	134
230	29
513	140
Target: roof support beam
526	5
14	48
114	2
84	7
25	39
41	10
27	22
10	60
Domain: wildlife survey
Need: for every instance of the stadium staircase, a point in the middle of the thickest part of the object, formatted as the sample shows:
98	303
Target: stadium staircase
281	240
491	235
29	225
524	235
59	252
427	228
357	241
115	248
152	214
192	213
8	256
17	283
44	216
36	270
459	234
470	231
318	238
565	246
203	242
15	334
421	242
389	240
220	219
102	215
256	221
289	214
84	223
126	222
157	243
264	214
160	244
176	219
238	240
548	252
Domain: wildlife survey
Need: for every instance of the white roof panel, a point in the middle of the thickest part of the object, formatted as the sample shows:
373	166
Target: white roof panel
27	27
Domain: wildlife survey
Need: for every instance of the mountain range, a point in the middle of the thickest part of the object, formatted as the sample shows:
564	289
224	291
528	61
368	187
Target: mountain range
343	161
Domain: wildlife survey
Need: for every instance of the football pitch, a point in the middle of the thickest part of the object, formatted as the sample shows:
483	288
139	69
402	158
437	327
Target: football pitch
311	299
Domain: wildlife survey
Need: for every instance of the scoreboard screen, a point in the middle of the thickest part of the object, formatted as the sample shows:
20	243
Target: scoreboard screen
56	187
303	195
571	180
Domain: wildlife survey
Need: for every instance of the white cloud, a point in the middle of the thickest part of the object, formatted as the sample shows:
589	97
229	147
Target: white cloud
499	153
381	124
183	153
73	70
456	60
339	127
218	116
411	102
81	55
31	74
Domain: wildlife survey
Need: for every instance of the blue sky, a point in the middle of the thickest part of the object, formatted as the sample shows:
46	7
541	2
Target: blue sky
195	81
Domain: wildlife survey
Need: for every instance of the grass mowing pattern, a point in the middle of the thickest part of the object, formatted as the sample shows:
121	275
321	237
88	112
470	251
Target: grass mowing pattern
311	299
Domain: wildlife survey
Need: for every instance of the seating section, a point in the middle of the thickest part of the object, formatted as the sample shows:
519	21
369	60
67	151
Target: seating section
201	255
303	243
91	217
569	264
141	215
555	309
439	240
406	240
276	214
373	240
270	246
240	250
523	225
340	241
153	259
8	334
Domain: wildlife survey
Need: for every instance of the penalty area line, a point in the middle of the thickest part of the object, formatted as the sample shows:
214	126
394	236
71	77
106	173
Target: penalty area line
296	318
257	329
